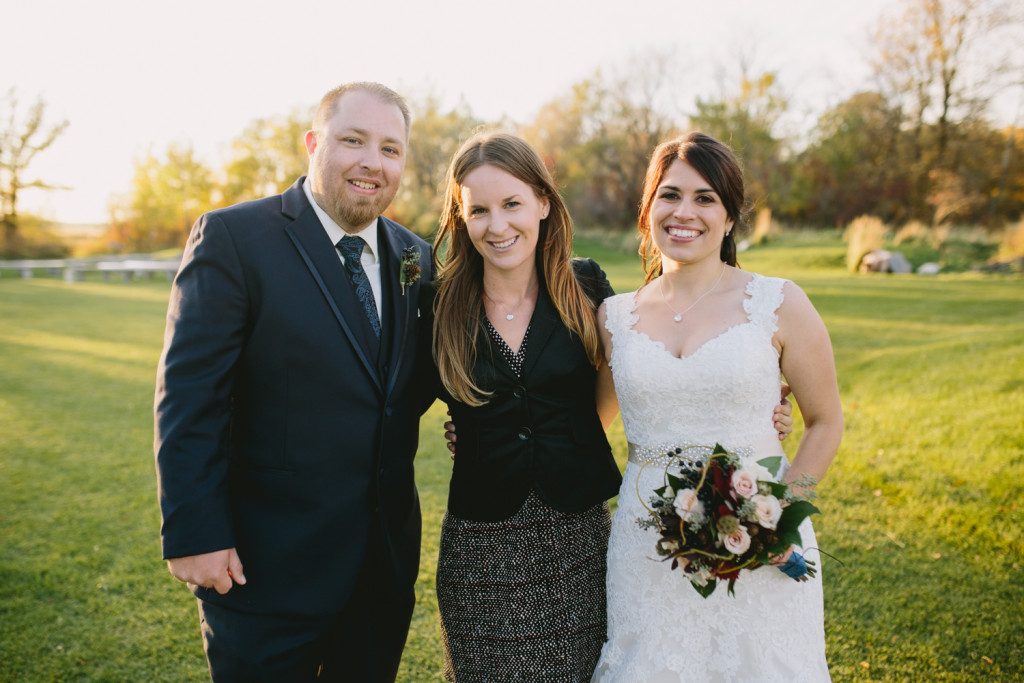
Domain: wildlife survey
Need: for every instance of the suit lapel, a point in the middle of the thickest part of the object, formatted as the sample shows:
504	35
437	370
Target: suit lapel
398	308
321	259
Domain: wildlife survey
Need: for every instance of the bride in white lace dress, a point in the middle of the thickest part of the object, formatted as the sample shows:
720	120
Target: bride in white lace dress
696	357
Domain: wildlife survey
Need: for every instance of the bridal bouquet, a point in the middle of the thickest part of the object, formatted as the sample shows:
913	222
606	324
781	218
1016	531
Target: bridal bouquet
722	513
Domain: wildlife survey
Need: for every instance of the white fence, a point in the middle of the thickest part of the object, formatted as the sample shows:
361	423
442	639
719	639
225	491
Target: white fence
74	270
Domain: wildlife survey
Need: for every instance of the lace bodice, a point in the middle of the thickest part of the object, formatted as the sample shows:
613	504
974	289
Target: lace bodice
733	377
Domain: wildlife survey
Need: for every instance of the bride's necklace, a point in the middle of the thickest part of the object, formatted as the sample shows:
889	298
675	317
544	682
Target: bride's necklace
679	315
509	314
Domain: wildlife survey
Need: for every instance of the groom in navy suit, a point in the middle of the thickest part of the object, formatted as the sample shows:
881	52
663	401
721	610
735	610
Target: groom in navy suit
287	411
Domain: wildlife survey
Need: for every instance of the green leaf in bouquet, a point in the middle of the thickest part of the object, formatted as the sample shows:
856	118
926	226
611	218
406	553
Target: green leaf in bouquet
771	464
718	450
789	536
676	483
778	489
705	590
795	513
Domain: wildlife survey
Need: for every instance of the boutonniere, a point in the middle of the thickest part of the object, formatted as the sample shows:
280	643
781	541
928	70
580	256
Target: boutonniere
409	274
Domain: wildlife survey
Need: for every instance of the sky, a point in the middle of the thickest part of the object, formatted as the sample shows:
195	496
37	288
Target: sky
133	77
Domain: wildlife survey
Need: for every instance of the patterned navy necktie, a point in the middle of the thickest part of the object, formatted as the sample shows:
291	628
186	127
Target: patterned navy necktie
352	249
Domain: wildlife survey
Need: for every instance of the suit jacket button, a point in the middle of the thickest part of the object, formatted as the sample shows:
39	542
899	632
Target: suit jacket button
525	433
387	411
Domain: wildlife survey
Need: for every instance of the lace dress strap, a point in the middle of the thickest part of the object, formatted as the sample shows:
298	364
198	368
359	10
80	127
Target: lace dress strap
765	297
621	313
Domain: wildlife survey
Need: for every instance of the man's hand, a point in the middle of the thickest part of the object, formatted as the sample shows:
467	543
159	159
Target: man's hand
219	570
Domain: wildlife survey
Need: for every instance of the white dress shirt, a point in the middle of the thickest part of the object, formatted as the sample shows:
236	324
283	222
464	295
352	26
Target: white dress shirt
371	264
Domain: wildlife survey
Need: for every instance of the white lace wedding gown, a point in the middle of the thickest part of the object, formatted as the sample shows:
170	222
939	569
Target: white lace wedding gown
659	627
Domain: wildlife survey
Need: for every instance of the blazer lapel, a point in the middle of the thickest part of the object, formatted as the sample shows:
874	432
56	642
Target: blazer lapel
321	259
544	322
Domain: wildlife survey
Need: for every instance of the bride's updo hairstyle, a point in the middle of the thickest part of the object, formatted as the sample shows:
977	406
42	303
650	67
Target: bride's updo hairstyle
458	307
718	166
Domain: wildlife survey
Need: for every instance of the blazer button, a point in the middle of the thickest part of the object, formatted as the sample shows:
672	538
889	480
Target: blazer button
525	433
387	411
518	392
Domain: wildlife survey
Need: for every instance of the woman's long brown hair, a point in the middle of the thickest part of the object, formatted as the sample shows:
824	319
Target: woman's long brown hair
458	307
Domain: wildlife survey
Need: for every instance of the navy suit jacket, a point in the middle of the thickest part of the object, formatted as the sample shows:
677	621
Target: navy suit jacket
283	428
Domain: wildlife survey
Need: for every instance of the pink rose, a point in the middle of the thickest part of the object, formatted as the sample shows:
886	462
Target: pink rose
767	510
688	506
738	542
744	483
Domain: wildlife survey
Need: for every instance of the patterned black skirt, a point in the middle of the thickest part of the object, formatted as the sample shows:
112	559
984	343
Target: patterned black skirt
523	599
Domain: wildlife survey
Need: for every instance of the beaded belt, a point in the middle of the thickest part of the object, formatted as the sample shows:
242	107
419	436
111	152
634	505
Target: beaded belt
685	451
641	455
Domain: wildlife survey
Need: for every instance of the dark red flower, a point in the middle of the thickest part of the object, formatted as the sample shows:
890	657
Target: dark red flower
721	475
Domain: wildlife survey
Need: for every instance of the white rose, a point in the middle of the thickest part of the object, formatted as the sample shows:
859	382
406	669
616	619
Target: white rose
759	470
738	542
767	510
744	482
688	506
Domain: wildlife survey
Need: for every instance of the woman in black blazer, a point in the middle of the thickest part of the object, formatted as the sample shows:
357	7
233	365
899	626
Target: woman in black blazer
521	569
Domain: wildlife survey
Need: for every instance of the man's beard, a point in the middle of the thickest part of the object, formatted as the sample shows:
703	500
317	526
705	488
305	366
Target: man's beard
358	214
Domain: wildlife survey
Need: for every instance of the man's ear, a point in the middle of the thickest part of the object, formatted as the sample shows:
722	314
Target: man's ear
310	142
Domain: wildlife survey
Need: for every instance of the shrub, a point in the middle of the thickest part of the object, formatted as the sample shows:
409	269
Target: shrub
763	227
912	231
1012	245
864	235
36	240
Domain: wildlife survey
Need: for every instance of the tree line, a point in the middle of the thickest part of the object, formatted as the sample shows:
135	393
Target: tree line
919	145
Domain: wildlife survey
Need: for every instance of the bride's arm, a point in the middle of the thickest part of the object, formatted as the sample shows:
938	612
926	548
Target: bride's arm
807	363
607	401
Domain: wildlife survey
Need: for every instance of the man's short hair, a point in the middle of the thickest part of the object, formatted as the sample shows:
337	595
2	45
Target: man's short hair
384	93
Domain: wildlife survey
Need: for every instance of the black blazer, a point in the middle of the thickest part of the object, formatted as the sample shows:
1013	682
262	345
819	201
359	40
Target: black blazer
281	422
541	432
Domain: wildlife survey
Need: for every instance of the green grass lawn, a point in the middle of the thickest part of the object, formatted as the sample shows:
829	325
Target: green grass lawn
922	505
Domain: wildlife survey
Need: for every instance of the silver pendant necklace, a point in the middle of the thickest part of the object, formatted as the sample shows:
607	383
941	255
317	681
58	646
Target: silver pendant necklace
678	317
509	315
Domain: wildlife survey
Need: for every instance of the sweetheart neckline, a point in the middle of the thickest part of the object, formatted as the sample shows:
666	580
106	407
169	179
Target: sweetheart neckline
661	344
749	290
